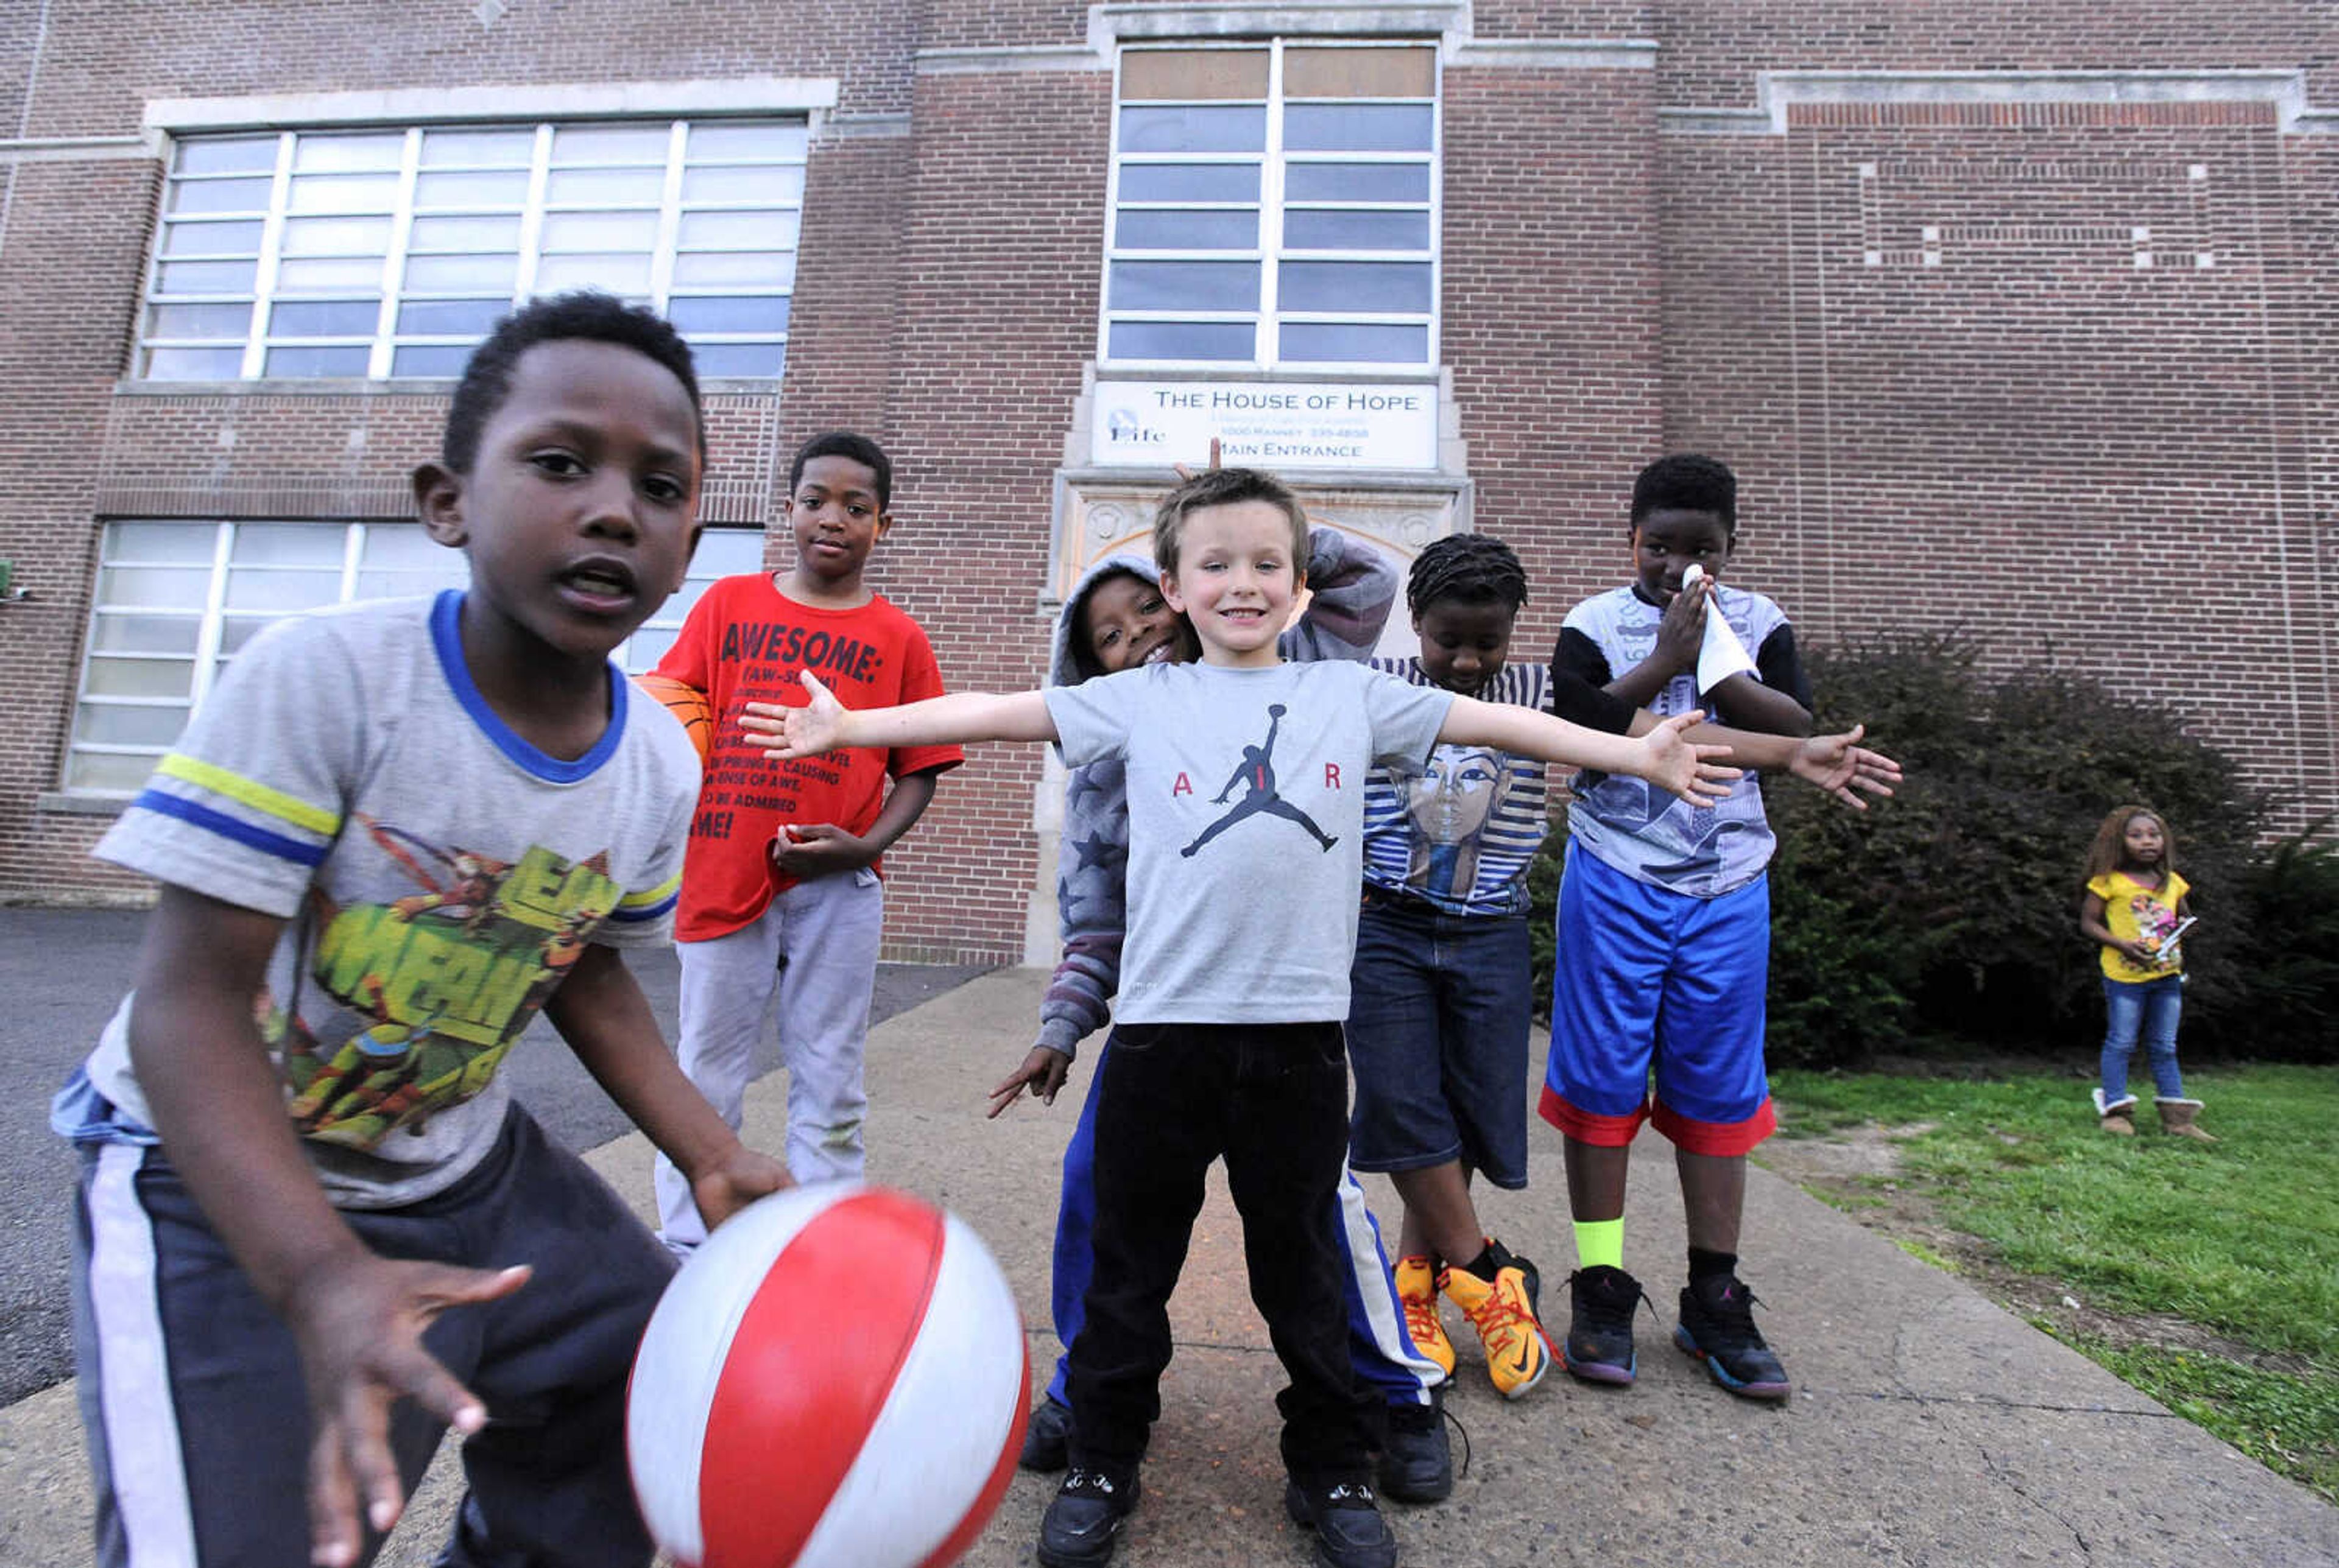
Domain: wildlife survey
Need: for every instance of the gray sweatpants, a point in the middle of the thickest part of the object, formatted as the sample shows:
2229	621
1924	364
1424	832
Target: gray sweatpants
816	946
197	1416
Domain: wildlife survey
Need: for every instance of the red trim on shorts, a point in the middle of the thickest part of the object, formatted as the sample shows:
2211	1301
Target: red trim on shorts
1716	1136
1589	1126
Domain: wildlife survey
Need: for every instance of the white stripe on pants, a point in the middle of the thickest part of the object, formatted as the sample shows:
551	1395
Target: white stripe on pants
816	946
145	1477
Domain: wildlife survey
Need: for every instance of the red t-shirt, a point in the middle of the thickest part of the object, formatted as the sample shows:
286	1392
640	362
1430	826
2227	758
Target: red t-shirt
747	642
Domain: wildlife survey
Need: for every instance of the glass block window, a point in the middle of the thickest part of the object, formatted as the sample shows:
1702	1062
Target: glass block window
1274	206
176	600
390	252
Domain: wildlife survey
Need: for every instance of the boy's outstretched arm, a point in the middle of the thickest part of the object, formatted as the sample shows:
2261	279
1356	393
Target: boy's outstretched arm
1834	764
825	725
600	1011
1664	756
357	1317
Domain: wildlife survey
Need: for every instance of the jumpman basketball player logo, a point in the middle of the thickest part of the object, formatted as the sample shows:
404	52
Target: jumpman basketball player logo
1255	776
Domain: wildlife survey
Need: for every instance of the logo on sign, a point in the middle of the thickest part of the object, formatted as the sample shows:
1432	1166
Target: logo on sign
1126	429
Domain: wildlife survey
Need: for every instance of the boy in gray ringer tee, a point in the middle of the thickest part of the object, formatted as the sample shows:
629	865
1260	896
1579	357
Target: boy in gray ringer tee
314	1230
1245	787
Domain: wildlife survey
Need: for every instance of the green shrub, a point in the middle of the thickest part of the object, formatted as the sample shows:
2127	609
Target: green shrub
2292	982
1950	912
1957	901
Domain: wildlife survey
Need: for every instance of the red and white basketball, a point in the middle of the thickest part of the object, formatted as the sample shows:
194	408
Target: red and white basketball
837	1379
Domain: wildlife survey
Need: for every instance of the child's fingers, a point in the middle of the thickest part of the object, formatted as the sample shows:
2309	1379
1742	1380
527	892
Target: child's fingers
332	1501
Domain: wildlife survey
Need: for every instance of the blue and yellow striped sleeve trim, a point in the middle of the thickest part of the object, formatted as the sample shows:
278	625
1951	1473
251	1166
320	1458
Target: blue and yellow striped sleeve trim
311	828
650	903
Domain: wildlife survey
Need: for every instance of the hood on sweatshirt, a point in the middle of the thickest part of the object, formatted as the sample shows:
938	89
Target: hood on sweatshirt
1063	670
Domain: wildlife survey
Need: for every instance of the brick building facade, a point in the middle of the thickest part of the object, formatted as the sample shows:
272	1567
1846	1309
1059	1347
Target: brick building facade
2008	314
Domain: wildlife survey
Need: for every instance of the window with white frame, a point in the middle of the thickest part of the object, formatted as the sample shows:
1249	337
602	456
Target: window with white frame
1275	205
176	600
390	253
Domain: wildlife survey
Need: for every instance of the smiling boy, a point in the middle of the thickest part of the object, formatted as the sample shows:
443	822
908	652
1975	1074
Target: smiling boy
391	834
780	888
1234	981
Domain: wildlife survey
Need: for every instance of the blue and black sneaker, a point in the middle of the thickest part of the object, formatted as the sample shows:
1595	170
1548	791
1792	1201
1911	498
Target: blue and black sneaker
1717	1327
1046	1439
1599	1343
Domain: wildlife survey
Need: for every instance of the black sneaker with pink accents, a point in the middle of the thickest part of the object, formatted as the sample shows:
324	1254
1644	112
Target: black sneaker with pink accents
1717	1327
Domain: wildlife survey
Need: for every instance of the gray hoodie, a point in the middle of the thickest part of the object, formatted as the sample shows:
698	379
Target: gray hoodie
1352	588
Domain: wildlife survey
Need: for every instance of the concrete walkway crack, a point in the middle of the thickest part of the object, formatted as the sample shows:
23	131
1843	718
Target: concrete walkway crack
1980	1401
2007	1480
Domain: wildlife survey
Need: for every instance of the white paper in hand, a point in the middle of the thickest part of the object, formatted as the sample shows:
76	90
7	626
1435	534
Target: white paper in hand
1721	655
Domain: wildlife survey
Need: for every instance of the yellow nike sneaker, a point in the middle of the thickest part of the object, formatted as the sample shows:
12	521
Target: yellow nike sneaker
1503	1311
1416	1290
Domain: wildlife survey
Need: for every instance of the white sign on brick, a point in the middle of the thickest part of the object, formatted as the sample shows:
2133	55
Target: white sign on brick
1265	424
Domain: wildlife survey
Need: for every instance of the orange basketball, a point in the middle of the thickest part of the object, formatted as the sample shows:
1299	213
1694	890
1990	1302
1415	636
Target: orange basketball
687	704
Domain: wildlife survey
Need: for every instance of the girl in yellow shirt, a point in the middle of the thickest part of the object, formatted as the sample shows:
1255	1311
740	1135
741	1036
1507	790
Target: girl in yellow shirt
2135	910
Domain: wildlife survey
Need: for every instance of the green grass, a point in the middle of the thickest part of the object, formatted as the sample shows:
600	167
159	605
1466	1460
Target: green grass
2285	1422
2241	1238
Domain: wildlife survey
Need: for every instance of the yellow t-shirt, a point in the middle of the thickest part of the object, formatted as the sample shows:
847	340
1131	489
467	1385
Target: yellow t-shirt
2133	911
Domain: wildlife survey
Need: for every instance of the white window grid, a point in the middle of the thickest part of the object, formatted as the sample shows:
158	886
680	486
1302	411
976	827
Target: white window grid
388	252
1272	207
176	599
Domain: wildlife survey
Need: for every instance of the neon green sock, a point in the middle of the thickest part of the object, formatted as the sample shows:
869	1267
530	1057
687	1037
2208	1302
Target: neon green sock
1599	1242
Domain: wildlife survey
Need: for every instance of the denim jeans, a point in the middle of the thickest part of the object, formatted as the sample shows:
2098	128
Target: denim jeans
2149	1007
1438	1013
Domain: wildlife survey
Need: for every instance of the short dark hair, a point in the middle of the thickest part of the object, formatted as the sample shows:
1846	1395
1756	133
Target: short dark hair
1226	488
587	314
1474	569
1687	482
847	444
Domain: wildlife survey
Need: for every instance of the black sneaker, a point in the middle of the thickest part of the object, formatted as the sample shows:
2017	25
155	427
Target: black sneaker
1599	1346
1418	1465
1047	1438
1349	1530
1084	1522
1717	1327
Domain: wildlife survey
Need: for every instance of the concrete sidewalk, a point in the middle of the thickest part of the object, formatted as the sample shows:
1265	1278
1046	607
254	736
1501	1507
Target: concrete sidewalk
1928	1427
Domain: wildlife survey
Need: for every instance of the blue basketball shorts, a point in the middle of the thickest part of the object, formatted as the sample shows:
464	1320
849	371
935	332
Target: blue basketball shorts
1647	978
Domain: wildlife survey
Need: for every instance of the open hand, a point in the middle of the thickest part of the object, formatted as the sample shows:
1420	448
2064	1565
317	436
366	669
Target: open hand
817	726
1043	1073
1838	764
359	1325
1684	767
804	850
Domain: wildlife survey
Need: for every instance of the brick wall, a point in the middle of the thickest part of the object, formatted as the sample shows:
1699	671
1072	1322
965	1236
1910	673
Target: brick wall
1002	238
1712	48
1990	405
1552	319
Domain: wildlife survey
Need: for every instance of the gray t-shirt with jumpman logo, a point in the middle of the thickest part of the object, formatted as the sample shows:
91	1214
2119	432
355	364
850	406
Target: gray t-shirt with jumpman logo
1246	826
